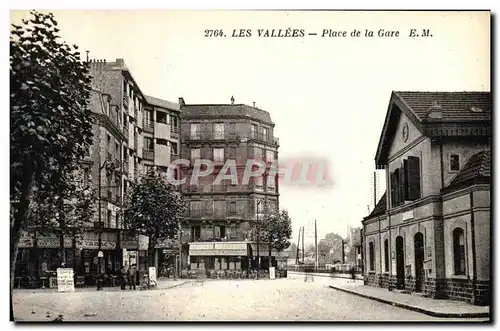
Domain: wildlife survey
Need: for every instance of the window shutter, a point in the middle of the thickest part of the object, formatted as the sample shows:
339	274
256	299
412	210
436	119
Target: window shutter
393	190
401	185
397	190
406	190
413	177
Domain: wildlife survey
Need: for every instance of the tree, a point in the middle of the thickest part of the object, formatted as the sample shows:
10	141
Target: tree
50	124
275	230
153	207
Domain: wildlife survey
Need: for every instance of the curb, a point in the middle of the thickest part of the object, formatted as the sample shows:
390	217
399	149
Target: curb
414	308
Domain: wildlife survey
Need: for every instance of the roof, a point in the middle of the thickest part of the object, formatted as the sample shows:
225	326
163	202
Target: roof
476	169
455	106
162	103
226	110
436	114
380	208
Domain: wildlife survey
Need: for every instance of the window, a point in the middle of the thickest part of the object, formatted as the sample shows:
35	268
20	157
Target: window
148	143
254	130
125	87
271	183
219	231
386	254
269	156
405	182
195	131
454	162
108	225
232	207
459	251
265	134
163	142
257	153
218	155
232	152
173	148
195	233
195	208
259	207
218	130
372	256
173	121
195	154
161	117
232	127
259	183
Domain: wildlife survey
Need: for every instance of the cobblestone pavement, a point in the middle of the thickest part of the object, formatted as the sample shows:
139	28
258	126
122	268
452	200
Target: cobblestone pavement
234	300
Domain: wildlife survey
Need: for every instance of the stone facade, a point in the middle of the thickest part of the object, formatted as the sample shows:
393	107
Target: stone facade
430	231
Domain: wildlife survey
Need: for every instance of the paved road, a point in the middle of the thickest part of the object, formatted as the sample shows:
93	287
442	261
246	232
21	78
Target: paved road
248	300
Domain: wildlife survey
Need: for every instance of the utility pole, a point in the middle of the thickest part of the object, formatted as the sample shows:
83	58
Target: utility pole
343	253
297	258
303	245
316	242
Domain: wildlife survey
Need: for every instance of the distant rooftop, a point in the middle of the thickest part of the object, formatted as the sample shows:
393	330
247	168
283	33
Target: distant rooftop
200	110
162	103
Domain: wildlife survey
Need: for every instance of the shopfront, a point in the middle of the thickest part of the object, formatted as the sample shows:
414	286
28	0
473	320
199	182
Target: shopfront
218	256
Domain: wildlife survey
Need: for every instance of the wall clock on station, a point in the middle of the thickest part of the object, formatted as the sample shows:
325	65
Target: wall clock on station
405	132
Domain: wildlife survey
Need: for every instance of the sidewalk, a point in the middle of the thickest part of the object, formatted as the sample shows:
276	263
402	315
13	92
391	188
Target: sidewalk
163	284
428	306
329	275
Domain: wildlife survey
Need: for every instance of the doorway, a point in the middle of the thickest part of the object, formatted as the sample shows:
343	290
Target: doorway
419	261
400	263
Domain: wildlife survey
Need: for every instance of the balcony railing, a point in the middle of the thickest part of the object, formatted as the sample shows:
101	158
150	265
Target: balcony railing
216	188
211	135
148	154
148	125
174	130
263	137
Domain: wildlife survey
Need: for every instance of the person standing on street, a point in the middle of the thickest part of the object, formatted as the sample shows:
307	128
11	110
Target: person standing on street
123	277
132	277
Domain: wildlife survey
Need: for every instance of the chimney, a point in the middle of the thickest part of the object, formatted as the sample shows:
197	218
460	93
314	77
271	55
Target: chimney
254	104
181	102
232	100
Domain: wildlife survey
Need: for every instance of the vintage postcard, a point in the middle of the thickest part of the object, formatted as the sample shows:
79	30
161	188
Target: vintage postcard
201	165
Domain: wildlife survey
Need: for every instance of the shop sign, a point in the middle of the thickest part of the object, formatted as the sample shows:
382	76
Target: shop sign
52	242
408	215
94	244
27	240
129	244
65	280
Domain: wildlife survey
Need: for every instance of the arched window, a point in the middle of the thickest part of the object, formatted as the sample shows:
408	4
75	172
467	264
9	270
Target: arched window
372	257
386	254
459	251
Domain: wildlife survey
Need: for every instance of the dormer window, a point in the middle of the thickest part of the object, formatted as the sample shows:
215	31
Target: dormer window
476	109
454	162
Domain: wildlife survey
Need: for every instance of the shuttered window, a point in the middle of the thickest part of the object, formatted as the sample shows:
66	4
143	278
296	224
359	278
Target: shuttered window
413	178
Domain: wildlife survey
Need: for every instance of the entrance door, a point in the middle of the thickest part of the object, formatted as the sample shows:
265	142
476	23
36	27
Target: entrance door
419	262
400	263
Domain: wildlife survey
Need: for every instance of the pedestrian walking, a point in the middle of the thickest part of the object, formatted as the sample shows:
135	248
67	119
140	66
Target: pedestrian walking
132	277
124	277
353	274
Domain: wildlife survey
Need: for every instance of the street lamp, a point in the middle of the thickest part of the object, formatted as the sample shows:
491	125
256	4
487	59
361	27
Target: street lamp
259	201
100	254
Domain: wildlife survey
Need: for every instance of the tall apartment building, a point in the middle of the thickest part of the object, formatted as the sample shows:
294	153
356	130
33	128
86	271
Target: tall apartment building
220	215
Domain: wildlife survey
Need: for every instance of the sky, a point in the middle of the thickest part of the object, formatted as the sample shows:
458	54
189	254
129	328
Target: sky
327	96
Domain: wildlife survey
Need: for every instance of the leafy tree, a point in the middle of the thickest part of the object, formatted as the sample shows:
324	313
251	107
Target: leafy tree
275	230
153	207
50	125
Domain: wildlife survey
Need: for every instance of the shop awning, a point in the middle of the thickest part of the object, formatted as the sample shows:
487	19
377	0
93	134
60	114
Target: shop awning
218	249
